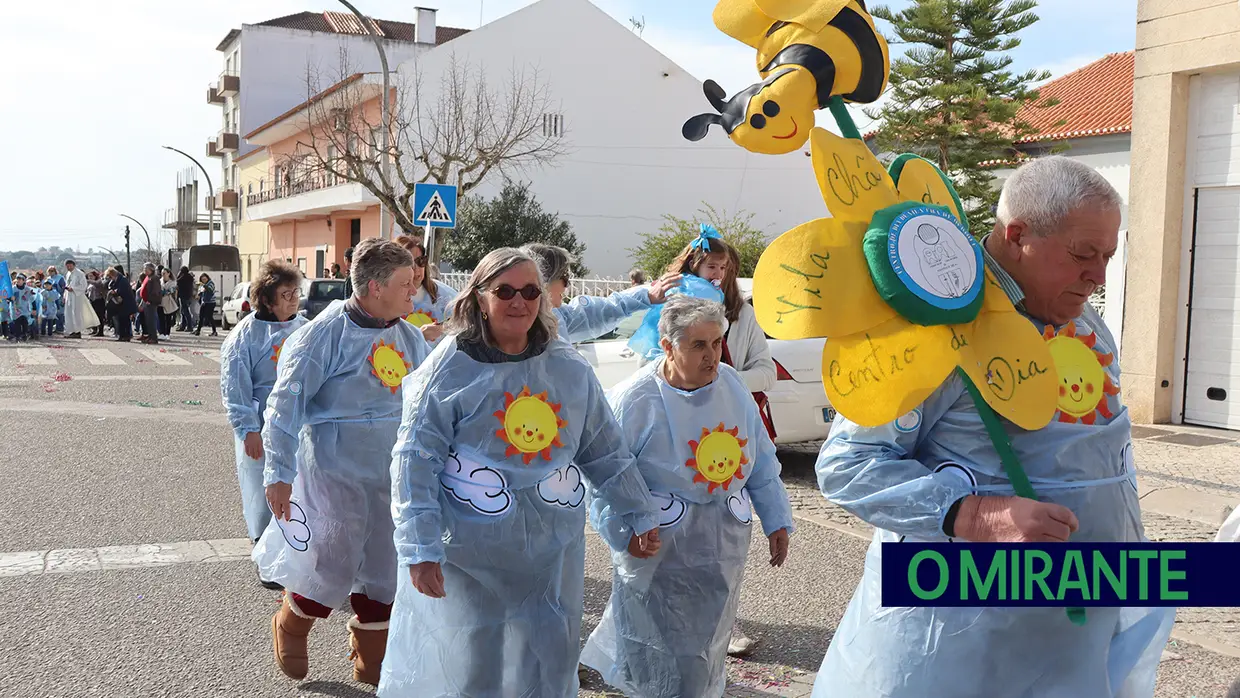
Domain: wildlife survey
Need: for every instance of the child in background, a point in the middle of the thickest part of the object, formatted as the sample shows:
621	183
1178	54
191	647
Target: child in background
23	308
49	307
6	313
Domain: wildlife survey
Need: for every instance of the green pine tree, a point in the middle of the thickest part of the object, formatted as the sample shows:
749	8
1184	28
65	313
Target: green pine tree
953	99
512	219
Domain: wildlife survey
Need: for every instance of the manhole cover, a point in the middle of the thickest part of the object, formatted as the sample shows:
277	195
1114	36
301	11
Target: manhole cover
1193	440
1148	432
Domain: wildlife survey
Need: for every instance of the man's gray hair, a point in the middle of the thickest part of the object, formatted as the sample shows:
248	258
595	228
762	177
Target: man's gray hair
1042	193
376	259
682	312
554	262
467	321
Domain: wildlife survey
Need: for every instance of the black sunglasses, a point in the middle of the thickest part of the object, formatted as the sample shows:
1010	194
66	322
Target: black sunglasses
505	292
419	261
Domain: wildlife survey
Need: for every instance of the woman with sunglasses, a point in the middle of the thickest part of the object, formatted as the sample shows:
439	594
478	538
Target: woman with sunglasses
248	361
504	428
432	303
589	317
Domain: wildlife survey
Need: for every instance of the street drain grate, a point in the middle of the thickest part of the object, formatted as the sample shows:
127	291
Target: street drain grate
1192	440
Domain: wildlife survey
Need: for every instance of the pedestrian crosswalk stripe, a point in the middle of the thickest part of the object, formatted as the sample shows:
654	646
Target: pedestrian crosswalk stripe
36	356
211	354
162	358
101	357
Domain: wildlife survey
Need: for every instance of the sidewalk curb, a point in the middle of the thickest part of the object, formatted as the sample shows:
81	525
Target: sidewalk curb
1185	636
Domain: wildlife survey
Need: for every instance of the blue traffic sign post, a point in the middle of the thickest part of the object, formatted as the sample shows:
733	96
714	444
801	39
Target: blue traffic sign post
436	207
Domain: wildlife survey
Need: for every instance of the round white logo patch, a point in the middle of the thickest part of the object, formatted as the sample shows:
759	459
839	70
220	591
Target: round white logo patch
935	258
909	422
295	387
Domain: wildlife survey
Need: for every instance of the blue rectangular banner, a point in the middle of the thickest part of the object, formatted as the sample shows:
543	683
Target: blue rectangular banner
1061	574
6	284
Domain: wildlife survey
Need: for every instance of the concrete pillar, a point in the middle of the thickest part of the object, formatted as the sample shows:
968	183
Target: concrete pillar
1156	195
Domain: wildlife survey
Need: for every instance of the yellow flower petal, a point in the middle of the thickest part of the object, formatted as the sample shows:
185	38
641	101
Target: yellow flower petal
853	183
921	181
1011	364
875	377
813	281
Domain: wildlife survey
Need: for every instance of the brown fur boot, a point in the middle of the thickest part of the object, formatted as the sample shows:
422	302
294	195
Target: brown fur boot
369	643
289	628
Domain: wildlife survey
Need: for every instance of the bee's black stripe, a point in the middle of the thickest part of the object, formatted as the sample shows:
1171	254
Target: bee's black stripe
873	70
776	27
813	59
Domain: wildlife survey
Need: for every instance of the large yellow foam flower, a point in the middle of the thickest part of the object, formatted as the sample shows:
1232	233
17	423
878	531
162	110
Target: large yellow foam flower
880	363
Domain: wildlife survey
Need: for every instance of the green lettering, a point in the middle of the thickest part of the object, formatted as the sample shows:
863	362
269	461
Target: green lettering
820	260
916	588
833	370
1037	576
798	272
1074	565
1143	578
1120	584
970	576
1015	576
1166	575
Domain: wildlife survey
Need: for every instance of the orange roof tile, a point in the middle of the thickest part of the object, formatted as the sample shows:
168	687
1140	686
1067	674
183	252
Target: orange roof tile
1093	101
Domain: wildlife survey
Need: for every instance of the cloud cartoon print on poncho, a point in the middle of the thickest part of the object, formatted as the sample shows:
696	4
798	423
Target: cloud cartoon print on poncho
1083	381
387	363
531	425
717	457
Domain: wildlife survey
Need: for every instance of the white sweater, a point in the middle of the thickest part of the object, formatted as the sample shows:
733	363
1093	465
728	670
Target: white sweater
751	356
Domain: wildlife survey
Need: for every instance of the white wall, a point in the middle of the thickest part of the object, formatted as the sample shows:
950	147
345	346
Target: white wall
1111	157
629	164
274	62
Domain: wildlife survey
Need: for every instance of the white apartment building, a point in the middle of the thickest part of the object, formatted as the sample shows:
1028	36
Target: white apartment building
265	69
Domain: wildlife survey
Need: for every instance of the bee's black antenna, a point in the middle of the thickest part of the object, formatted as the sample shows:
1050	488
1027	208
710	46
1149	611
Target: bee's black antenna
695	129
715	94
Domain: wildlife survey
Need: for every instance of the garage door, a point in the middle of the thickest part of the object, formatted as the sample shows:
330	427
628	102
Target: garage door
1212	386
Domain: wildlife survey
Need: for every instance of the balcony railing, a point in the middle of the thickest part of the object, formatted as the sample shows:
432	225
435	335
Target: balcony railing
227	142
213	149
226	199
213	95
229	85
294	186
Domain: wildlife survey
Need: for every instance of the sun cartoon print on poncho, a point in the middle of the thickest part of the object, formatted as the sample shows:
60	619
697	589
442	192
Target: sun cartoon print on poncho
531	425
1083	381
420	317
717	457
275	352
898	286
388	364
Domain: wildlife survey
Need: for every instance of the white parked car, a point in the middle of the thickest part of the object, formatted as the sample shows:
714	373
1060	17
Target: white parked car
799	406
237	305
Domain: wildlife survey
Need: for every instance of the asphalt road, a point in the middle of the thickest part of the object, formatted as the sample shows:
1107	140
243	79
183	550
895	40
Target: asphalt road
132	452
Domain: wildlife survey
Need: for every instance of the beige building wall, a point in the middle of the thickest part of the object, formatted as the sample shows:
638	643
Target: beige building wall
253	237
1175	40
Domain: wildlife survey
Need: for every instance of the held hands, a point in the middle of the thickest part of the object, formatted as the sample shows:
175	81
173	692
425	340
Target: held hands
1013	520
646	545
254	445
427	577
659	289
278	494
432	332
779	547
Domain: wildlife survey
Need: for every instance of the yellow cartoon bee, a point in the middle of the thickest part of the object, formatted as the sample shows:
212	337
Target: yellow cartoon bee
811	55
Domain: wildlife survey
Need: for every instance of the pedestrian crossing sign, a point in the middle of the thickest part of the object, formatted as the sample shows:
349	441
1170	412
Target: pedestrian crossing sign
435	204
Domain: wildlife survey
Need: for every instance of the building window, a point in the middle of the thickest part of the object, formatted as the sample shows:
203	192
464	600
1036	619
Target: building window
553	125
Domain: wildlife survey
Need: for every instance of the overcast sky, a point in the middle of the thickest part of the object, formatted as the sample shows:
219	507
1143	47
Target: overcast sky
93	89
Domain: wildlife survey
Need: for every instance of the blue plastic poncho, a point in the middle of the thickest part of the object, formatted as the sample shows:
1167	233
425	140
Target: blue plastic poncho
425	311
331	422
589	317
705	455
6	307
489	478
248	361
645	341
23	301
903	479
47	303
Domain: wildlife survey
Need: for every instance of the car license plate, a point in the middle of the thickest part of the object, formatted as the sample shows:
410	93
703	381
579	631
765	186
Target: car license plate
828	414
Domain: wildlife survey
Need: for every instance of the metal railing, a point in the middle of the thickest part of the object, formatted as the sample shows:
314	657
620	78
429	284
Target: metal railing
294	186
576	287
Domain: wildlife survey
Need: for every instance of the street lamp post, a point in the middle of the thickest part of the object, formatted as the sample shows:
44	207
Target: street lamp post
387	115
210	188
144	232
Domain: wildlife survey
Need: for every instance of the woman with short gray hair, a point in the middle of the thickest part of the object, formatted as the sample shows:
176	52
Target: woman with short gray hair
504	429
703	449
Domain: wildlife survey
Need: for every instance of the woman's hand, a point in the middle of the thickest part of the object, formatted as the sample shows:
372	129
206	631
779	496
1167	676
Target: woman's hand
427	577
254	445
646	545
659	289
278	494
779	547
432	332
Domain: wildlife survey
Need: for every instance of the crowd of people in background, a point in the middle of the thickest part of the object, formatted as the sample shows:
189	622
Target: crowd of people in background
111	304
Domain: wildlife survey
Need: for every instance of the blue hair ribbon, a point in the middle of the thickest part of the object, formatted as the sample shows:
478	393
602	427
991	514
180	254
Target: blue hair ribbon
706	234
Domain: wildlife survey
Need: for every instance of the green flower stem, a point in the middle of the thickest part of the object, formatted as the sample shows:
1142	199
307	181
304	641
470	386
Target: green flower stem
1011	464
843	119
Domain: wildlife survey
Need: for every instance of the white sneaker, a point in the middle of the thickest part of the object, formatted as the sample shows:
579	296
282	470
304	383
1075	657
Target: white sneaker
164	337
741	646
